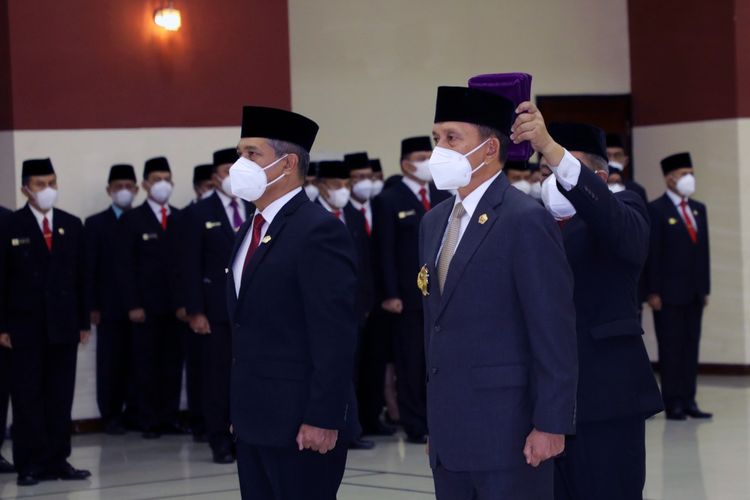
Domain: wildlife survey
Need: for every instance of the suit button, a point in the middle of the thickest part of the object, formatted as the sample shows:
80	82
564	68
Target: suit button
435	371
437	328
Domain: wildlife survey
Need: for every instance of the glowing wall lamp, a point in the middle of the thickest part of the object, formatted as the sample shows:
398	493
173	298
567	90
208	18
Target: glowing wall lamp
168	17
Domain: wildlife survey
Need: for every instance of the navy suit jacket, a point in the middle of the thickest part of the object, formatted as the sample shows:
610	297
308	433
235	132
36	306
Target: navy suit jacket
500	341
396	215
678	270
42	292
102	292
147	270
207	243
294	328
607	244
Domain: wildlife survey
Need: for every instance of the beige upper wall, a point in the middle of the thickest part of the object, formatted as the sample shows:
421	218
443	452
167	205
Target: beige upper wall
367	72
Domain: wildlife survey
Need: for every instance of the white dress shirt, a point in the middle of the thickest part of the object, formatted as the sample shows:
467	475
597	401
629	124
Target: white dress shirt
157	208
470	204
416	187
328	207
677	200
368	209
39	216
227	202
268	215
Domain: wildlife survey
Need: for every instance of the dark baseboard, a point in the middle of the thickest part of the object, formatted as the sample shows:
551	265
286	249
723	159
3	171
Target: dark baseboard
717	369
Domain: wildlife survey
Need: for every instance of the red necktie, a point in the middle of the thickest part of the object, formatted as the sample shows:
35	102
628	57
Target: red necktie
337	214
562	223
258	222
164	218
423	197
367	223
47	233
689	222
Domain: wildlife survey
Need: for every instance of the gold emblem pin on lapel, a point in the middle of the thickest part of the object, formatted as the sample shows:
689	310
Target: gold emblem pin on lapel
483	218
423	281
61	231
266	239
672	221
211	225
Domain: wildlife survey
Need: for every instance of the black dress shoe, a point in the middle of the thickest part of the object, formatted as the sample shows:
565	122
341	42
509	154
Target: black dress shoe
416	439
66	472
151	434
694	412
361	444
676	414
174	429
223	457
27	479
6	467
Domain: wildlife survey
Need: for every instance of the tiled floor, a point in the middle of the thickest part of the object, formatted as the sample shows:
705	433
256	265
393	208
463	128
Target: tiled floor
686	461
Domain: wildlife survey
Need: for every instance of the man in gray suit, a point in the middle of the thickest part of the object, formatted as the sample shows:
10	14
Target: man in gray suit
500	335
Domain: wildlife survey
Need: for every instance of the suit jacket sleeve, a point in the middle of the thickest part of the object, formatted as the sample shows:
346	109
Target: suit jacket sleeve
127	254
4	242
84	305
92	264
329	288
176	248
621	221
384	239
192	265
707	261
544	284
653	278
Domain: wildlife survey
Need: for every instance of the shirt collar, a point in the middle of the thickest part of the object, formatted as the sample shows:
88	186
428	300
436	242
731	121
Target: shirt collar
39	216
415	186
117	210
225	200
471	201
359	206
676	198
275	206
156	207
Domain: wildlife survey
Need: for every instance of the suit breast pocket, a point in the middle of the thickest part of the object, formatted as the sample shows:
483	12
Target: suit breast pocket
618	328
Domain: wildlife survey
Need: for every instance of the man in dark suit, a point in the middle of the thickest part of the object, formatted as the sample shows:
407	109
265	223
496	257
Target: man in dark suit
335	197
397	213
606	241
43	318
291	290
114	334
203	181
678	283
210	227
147	276
5	466
616	155
501	371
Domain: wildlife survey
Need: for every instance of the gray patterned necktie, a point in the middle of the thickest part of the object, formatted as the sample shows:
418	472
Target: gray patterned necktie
451	242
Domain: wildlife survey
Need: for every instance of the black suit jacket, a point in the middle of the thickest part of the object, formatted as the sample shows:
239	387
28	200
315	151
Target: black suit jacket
207	243
637	189
42	292
678	270
147	270
294	328
396	214
607	244
102	292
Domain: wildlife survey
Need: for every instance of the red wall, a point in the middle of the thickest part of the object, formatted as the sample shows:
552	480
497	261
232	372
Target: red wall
684	62
104	64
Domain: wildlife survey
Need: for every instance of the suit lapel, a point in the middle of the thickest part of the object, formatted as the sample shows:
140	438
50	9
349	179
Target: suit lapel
35	232
433	239
474	236
220	214
409	196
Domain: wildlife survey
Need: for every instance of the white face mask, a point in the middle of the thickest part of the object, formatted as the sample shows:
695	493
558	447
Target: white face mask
160	192
207	194
249	180
422	171
535	191
522	186
686	185
338	198
615	165
363	189
555	203
123	198
312	192
451	169
46	198
226	186
377	187
616	187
